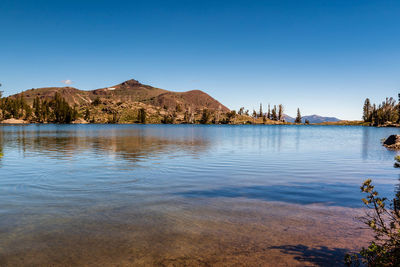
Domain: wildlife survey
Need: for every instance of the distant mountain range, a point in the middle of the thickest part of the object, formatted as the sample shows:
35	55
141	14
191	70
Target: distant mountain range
313	119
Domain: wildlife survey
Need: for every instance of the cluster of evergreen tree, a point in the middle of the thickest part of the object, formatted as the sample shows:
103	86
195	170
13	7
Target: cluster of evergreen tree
56	110
243	112
275	114
15	108
386	112
205	116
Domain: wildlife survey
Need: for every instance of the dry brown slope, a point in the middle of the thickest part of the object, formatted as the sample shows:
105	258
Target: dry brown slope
130	90
72	95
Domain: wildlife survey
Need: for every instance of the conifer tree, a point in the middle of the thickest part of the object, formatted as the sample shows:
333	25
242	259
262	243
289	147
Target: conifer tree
87	114
36	108
280	112
273	114
367	109
398	107
298	117
142	115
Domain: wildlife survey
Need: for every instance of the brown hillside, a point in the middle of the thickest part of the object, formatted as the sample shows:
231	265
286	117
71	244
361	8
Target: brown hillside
130	91
72	95
195	99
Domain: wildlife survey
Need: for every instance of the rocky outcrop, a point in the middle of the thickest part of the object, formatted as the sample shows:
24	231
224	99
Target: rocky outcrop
392	142
13	121
79	121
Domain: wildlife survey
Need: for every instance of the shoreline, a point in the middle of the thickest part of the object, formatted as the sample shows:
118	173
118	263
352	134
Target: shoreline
23	122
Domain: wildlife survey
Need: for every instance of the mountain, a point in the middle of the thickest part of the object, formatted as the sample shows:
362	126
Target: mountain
319	119
128	101
313	119
129	91
288	118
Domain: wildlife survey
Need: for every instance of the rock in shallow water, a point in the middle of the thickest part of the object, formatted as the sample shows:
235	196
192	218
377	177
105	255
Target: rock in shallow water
392	142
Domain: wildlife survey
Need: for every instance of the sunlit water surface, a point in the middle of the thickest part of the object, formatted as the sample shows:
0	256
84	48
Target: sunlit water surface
186	195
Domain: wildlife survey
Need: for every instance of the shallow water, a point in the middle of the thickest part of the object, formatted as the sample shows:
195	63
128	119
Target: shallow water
186	194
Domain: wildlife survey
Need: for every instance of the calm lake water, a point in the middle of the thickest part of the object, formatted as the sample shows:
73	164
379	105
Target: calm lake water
173	195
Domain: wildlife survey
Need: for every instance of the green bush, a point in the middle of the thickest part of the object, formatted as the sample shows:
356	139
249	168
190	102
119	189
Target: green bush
384	221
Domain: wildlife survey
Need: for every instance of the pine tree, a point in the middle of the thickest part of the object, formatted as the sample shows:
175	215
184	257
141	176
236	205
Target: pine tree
269	112
273	114
398	107
367	111
298	117
37	110
142	115
261	111
280	112
87	114
205	116
46	111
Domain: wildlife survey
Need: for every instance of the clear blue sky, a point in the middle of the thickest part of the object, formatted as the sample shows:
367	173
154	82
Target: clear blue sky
324	57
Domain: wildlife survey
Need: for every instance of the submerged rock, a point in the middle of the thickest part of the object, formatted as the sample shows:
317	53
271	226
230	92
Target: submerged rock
392	142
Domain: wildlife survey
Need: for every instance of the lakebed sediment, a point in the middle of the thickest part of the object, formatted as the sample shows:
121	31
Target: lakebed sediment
196	233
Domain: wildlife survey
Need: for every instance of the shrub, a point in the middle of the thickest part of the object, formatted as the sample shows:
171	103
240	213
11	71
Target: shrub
97	101
384	221
205	117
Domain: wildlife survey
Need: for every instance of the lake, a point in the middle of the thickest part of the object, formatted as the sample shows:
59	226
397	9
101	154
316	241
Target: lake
179	195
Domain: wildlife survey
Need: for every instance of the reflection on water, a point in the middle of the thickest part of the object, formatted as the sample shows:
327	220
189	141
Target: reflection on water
365	142
184	194
1	145
130	144
298	193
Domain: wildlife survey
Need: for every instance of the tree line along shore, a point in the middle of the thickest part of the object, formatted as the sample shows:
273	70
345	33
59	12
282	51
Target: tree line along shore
57	110
102	110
